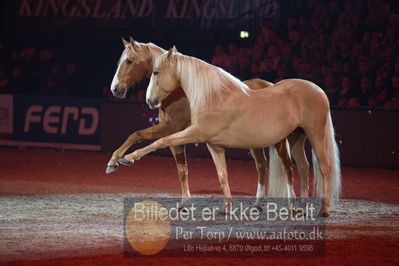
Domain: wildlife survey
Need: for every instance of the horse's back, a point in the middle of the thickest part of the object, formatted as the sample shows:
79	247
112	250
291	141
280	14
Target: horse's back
297	98
301	87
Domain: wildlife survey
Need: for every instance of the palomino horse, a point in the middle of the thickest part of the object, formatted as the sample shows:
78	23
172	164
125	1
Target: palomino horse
136	63
226	113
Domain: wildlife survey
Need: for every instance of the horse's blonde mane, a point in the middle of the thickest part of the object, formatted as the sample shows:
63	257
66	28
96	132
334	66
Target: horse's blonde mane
204	82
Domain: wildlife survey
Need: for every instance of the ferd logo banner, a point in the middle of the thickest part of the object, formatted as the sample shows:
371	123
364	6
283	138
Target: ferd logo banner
57	119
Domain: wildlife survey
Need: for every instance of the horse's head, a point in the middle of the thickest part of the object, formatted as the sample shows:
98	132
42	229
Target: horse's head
133	66
163	79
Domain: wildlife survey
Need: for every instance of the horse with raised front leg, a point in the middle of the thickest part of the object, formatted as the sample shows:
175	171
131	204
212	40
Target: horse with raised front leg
226	113
135	64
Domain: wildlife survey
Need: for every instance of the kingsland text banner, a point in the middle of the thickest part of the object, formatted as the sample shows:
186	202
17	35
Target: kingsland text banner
139	13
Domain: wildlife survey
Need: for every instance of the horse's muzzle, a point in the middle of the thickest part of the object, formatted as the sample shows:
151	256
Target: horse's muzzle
153	103
120	93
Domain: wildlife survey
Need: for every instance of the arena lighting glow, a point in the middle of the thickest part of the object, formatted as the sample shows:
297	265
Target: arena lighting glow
153	119
244	34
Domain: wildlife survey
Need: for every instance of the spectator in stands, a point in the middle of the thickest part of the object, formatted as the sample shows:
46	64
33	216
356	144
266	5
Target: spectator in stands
365	94
72	82
291	25
346	69
282	73
221	59
394	102
28	60
233	57
54	82
14	59
346	92
382	90
244	68
356	42
377	15
18	83
331	88
266	70
254	71
45	61
294	39
286	58
256	55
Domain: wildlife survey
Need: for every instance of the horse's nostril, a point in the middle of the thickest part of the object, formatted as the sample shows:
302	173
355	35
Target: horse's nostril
120	93
153	103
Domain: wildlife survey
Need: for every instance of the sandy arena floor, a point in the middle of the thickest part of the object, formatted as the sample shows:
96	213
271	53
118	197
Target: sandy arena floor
60	207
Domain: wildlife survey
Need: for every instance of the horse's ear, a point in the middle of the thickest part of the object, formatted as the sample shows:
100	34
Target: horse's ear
134	44
125	43
170	52
174	49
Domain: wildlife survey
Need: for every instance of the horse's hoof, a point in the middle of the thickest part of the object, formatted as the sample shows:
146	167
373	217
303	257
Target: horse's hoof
258	207
125	161
184	204
298	212
223	211
324	214
111	168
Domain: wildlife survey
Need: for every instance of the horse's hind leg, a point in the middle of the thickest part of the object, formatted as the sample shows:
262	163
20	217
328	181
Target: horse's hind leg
261	165
297	144
282	150
218	156
179	154
318	143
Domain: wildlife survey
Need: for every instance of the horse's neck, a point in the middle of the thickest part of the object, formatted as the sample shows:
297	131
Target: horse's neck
216	99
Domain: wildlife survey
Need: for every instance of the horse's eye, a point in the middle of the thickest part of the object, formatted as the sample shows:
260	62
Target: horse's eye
156	73
128	61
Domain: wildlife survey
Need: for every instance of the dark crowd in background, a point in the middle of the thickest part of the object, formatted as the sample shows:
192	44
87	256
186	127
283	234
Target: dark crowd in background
349	48
36	71
351	51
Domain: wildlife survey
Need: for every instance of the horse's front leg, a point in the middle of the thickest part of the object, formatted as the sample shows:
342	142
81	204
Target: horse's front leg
155	132
179	154
219	158
192	134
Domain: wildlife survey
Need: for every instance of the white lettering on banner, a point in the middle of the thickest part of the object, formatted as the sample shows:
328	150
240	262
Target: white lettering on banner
171	9
51	119
31	118
88	130
68	110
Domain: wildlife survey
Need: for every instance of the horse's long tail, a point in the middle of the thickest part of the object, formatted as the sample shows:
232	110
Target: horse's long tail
333	157
278	177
